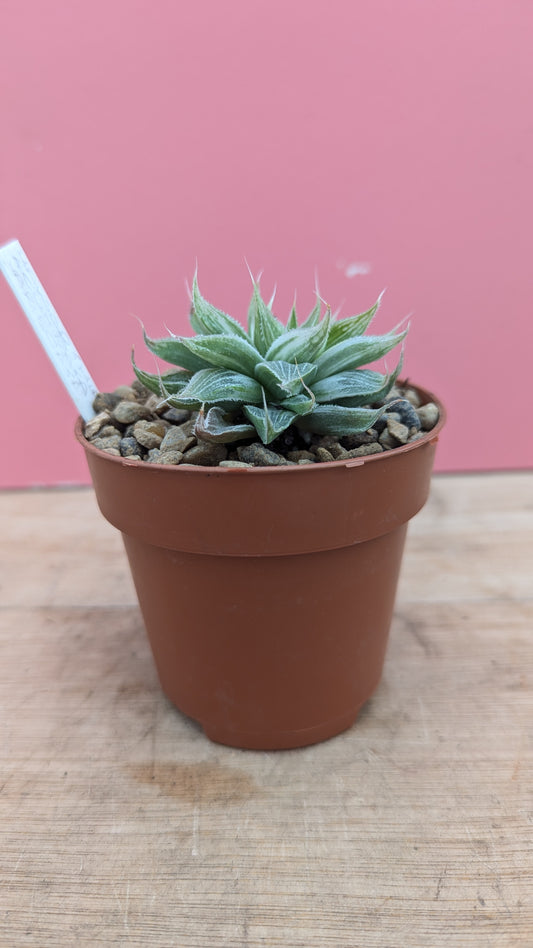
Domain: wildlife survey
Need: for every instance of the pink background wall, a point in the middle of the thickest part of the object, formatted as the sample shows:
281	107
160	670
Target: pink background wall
139	135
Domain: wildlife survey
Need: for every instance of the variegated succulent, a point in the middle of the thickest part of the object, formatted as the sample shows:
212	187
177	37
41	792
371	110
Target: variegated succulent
261	381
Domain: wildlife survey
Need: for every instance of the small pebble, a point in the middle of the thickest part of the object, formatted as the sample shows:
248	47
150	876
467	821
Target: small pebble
176	439
406	414
130	448
105	401
300	456
338	451
111	443
113	451
397	430
176	416
380	425
306	461
259	455
387	441
126	393
412	395
364	450
149	433
153	456
358	438
95	424
188	426
206	454
428	415
170	457
324	455
326	441
128	412
234	464
108	431
154	404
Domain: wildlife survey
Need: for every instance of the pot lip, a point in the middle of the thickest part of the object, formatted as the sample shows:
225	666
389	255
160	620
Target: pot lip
430	437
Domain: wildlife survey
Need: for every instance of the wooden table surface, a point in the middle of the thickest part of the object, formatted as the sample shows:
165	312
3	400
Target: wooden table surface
121	824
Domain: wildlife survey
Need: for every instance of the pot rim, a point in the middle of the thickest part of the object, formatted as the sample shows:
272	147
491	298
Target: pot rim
431	436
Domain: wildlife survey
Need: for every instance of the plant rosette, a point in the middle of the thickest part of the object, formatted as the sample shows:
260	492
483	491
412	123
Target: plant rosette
263	490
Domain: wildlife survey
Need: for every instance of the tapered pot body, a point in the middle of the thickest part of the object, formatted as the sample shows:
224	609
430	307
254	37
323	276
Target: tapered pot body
267	593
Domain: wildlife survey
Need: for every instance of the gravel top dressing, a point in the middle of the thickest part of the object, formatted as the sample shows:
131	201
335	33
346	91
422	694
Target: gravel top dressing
133	422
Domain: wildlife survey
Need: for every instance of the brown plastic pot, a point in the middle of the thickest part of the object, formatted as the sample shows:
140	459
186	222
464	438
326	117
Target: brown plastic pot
267	593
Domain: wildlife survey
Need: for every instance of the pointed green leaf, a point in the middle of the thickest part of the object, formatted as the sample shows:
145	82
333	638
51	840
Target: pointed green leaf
269	422
218	425
292	322
301	345
314	316
173	349
196	324
207	319
263	327
339	420
283	379
353	325
373	397
168	382
214	386
299	404
357	387
223	351
362	384
351	353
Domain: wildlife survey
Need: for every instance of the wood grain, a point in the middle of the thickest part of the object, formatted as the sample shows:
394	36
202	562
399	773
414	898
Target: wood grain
121	823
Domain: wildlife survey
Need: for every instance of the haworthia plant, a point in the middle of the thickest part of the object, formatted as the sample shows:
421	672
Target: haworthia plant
261	380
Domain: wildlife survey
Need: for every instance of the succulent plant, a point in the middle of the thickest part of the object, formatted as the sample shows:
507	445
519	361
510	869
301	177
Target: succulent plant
261	381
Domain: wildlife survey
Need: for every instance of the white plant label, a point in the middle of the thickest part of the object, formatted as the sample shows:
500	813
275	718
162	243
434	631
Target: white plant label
48	327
